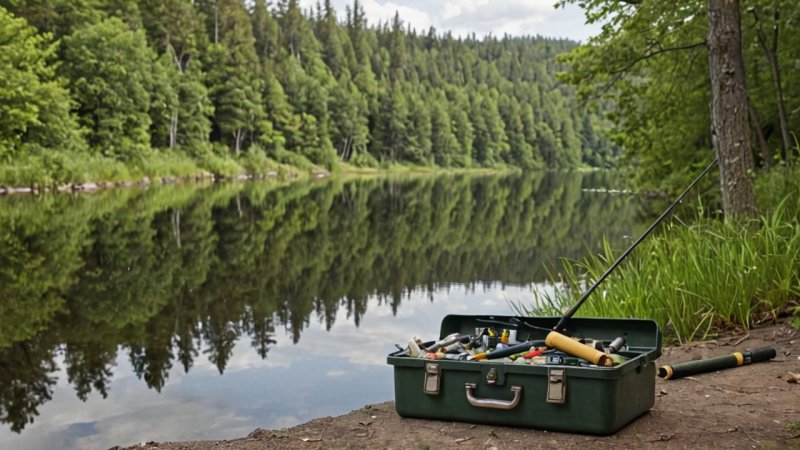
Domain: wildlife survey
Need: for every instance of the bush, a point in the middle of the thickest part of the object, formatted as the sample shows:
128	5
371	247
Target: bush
363	159
219	165
255	161
293	159
166	162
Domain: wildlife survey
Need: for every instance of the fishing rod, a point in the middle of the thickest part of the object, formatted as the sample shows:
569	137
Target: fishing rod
570	312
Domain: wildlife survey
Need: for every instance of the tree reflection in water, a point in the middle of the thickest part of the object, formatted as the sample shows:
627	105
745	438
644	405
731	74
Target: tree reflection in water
162	273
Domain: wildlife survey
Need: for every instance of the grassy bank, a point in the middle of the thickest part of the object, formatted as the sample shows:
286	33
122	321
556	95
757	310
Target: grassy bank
694	279
52	169
57	169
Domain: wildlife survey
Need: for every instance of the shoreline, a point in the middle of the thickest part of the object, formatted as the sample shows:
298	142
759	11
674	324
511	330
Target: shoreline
298	175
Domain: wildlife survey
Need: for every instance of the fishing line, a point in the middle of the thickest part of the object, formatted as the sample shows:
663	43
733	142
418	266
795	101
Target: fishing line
568	315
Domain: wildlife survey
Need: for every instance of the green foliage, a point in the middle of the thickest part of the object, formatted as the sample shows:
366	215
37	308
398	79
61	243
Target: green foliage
218	165
168	164
233	68
34	103
650	63
773	188
164	102
110	72
691	278
255	161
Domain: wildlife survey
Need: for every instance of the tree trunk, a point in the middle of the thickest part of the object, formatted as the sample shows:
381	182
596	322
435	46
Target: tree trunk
216	23
173	130
176	226
729	108
771	52
766	155
238	135
785	136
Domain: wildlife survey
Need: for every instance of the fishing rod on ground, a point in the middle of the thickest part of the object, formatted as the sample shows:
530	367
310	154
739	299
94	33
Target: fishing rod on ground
570	312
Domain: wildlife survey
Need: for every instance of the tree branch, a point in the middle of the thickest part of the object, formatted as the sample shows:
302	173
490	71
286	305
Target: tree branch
656	53
620	73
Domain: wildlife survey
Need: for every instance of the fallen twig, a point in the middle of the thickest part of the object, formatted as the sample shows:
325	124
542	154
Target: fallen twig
744	338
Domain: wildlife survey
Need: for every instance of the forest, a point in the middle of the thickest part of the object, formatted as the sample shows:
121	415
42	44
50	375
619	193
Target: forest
232	82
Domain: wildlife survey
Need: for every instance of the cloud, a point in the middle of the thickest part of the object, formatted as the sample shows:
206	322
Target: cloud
376	12
482	17
516	17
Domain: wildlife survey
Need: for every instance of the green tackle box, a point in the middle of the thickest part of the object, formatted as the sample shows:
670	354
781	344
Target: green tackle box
594	400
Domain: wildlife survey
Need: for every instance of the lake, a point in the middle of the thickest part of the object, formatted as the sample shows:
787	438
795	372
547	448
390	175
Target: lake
196	312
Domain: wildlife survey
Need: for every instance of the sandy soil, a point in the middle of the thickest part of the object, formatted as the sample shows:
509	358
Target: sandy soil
752	406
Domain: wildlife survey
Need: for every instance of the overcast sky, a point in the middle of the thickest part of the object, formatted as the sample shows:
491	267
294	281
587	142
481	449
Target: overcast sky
462	17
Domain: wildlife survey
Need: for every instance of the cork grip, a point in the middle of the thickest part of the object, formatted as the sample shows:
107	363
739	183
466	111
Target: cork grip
575	348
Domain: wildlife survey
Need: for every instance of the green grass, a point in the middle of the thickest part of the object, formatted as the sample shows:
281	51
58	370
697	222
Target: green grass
694	279
55	168
52	169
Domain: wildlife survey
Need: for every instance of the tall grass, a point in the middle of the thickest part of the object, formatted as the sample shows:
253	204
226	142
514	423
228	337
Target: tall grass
693	279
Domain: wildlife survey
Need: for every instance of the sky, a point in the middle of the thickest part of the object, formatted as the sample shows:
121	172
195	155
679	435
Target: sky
463	17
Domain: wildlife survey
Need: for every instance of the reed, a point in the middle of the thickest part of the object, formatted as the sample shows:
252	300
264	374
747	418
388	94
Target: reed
697	278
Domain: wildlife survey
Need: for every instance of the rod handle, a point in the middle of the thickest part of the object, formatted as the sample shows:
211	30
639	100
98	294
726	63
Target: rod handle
735	359
761	354
572	347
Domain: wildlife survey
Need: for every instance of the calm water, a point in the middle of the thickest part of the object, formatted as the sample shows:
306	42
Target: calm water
204	312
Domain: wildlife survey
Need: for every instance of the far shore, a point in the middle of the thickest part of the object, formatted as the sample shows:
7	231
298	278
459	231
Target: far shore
345	171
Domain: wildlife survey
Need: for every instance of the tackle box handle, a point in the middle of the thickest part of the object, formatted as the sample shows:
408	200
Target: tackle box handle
493	403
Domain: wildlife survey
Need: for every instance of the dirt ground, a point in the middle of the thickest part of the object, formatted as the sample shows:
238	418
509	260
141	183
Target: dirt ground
752	406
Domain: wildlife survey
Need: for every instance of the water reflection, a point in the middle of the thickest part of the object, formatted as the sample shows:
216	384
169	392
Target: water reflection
329	372
153	283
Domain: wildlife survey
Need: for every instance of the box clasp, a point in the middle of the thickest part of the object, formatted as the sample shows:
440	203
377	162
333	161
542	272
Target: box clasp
491	377
432	375
556	386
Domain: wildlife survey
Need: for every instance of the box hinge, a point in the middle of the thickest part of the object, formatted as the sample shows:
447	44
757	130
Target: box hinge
556	386
433	375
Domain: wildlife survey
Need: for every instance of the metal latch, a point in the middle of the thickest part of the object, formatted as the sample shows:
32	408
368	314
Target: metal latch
432	377
491	377
556	386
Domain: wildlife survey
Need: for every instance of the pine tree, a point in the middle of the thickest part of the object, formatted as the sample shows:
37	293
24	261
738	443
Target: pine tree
165	102
234	79
196	110
445	146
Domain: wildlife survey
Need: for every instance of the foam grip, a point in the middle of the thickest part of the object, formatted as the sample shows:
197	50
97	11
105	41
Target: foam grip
734	359
688	368
514	349
572	347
